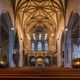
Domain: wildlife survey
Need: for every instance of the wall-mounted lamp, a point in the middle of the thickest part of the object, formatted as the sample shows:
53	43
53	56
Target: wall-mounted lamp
66	29
52	34
12	29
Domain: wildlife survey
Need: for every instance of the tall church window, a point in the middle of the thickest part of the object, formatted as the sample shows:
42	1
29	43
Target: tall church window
76	53
75	42
39	40
33	46
46	45
39	45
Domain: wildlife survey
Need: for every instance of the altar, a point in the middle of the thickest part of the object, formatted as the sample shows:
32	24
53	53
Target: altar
40	58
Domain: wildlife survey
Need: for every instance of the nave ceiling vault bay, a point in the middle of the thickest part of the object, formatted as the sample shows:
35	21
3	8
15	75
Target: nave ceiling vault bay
39	11
43	12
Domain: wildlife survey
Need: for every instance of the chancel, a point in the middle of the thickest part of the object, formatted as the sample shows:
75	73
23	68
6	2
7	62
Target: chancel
40	34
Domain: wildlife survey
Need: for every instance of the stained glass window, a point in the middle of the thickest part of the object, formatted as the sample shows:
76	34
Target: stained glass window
39	40
76	52
46	60
33	60
33	46
46	46
39	45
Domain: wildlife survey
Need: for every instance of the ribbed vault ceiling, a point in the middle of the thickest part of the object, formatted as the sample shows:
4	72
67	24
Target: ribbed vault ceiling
47	12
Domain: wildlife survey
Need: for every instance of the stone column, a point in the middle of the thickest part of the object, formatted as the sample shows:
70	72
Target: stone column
0	36
51	57
21	53
0	41
58	54
28	59
11	48
67	50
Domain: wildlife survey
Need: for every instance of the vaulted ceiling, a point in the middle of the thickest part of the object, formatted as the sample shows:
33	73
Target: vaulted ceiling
47	12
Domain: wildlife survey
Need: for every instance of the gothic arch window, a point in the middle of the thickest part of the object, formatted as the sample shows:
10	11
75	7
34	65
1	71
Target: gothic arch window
46	60
46	45
76	53
33	46
75	39
39	40
39	45
32	61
